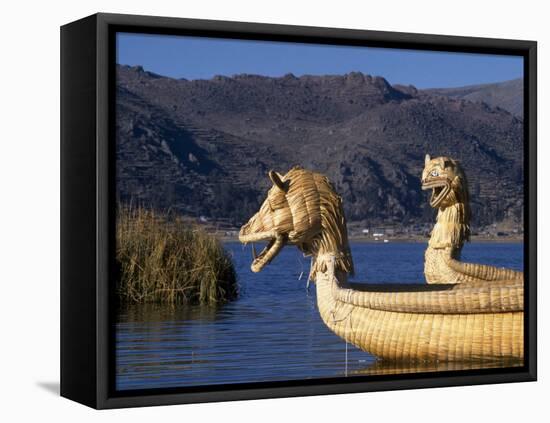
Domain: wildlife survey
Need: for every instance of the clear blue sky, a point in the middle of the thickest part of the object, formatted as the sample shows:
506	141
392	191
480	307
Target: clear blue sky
202	58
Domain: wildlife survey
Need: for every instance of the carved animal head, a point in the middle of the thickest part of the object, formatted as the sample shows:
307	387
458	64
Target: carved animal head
445	177
301	209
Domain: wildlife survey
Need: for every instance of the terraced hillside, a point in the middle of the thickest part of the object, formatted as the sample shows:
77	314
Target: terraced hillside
204	147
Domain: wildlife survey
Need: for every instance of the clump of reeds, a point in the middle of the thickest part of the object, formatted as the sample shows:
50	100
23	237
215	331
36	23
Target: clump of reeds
163	259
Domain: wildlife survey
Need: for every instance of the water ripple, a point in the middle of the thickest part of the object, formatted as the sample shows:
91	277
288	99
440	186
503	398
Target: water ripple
273	331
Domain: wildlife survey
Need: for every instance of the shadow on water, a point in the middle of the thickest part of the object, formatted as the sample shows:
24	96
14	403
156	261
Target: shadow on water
151	313
382	367
273	331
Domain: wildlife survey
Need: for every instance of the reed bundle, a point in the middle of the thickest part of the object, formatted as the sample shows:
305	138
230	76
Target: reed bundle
163	259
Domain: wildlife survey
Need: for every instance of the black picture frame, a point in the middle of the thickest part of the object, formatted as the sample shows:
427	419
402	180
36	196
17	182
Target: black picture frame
87	197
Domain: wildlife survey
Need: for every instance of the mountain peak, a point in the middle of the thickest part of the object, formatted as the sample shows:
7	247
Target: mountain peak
204	146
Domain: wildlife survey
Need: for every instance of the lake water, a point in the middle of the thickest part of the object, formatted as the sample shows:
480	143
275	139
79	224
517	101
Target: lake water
273	331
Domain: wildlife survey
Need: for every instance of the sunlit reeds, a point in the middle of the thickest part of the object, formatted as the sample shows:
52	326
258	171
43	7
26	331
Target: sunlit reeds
163	259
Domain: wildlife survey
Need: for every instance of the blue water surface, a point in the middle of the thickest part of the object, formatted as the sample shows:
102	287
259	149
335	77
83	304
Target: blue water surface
273	331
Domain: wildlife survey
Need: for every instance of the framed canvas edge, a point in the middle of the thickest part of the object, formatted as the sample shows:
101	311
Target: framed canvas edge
78	277
530	128
105	22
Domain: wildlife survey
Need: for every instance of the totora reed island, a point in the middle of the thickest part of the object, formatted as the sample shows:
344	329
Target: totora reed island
163	259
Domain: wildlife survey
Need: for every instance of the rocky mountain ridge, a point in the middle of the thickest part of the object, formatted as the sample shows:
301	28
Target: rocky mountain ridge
203	147
507	95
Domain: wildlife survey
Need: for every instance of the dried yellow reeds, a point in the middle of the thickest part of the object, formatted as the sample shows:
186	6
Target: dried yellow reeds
163	259
469	322
476	324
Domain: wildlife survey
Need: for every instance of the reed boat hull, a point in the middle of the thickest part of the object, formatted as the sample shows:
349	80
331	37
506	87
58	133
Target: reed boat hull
451	335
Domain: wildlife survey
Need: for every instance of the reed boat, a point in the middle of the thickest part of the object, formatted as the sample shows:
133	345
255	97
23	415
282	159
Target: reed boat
465	313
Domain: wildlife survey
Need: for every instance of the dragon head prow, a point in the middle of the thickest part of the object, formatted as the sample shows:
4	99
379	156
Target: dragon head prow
301	209
445	177
447	180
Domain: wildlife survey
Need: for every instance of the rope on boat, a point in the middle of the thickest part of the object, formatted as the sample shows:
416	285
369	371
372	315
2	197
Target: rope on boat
335	320
309	275
302	272
301	268
337	304
346	371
